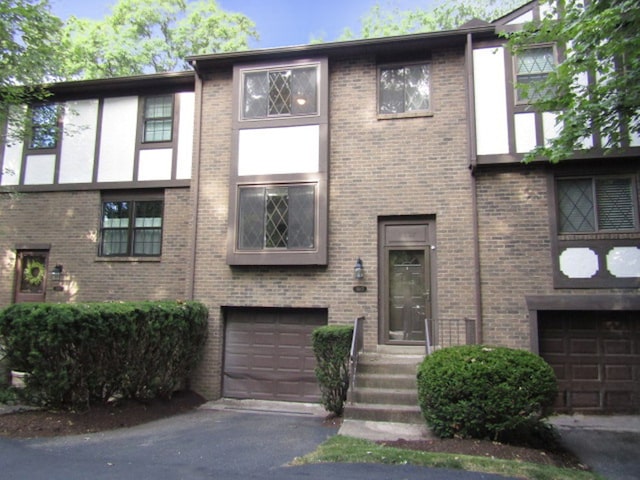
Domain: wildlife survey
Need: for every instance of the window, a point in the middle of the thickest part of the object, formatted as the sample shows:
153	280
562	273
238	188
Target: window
44	126
404	89
158	119
131	227
532	67
596	204
277	217
281	92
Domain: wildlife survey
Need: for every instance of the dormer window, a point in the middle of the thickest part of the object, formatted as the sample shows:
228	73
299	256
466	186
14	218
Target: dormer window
533	65
281	92
158	118
44	126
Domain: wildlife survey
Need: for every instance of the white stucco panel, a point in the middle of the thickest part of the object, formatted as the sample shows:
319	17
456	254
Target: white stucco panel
39	169
525	124
155	164
185	135
11	165
270	151
12	162
579	262
624	262
490	89
118	139
525	17
78	141
550	127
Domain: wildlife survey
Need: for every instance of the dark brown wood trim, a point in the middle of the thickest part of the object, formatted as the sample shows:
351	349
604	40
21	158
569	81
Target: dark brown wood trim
593	154
583	302
96	150
97	186
509	73
33	246
175	135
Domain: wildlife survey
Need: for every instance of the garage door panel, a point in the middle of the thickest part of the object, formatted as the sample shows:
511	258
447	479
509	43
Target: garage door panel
595	356
268	354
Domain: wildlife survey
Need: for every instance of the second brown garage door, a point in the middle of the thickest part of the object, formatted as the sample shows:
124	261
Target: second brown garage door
268	354
596	358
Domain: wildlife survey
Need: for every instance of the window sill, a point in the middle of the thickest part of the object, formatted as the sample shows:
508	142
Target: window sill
127	259
393	116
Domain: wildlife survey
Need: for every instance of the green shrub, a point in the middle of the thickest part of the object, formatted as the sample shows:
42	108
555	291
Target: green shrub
76	354
482	392
331	346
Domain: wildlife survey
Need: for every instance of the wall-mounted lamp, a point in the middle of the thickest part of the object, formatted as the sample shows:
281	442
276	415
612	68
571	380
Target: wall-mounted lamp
358	270
57	278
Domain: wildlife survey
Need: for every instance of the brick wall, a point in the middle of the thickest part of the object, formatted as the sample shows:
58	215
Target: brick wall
69	222
378	168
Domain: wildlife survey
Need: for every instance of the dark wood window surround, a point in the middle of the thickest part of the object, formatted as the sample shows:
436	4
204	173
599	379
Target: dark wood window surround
316	255
153	199
411	112
600	242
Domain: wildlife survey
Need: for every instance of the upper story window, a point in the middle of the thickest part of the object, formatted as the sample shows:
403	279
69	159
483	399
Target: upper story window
595	204
44	126
277	217
158	119
404	89
280	92
131	226
532	66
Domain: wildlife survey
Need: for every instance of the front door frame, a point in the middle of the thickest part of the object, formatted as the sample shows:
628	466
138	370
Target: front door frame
38	293
399	238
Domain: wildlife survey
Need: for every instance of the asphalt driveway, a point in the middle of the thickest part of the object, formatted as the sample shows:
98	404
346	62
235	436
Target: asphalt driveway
204	444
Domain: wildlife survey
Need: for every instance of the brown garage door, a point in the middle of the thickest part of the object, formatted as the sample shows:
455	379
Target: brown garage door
268	354
596	358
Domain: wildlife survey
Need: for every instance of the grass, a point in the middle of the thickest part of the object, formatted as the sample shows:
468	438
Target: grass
344	449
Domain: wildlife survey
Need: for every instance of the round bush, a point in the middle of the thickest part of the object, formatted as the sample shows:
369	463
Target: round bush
475	391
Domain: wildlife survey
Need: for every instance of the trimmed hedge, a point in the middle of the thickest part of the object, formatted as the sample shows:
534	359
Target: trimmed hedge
482	392
332	346
77	354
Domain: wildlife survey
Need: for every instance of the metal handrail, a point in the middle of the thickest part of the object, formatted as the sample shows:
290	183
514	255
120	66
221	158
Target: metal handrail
427	336
357	344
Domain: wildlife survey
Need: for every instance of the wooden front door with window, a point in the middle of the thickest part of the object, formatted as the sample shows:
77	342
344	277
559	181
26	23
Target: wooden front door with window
31	276
406	286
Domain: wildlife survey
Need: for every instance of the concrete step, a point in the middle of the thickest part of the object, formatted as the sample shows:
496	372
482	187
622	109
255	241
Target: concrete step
388	368
383	413
385	396
386	380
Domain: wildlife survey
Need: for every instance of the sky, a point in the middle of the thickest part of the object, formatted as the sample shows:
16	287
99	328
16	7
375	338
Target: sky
280	23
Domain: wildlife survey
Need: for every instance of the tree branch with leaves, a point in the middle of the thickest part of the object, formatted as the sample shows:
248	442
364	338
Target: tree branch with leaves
595	90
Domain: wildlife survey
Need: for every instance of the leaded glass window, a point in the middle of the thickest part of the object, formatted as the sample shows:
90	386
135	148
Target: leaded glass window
44	126
281	217
532	67
158	118
280	93
131	227
404	89
596	204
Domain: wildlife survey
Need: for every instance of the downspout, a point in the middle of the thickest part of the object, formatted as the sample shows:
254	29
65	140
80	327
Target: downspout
472	152
195	182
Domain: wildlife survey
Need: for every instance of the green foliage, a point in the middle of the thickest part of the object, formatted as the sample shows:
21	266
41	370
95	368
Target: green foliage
331	346
388	20
76	354
143	36
29	47
478	392
599	40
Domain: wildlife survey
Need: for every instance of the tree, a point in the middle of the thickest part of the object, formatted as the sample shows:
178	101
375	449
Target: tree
596	88
389	20
144	36
29	40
